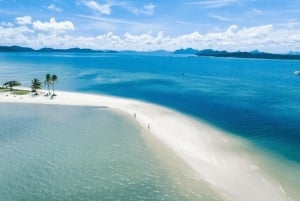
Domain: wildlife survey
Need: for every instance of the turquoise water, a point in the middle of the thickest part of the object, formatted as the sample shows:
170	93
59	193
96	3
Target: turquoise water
257	100
84	153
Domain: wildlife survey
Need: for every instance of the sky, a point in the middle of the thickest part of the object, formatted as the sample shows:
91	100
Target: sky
147	25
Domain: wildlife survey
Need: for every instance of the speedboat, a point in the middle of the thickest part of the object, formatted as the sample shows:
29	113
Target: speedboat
297	72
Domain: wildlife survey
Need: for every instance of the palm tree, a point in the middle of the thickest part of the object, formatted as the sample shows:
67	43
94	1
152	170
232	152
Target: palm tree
11	84
53	80
35	84
48	82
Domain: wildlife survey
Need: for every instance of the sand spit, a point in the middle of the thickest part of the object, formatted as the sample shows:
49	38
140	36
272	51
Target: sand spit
216	157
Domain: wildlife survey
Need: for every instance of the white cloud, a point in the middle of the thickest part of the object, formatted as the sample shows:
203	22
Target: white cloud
102	8
20	35
292	23
221	18
109	20
6	24
54	8
256	11
213	3
147	9
53	26
23	20
106	8
269	38
106	24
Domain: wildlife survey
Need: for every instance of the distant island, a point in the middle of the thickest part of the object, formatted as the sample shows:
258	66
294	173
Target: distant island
27	49
189	51
253	54
186	51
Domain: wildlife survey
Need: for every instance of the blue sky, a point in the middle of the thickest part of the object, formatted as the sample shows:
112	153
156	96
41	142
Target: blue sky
268	25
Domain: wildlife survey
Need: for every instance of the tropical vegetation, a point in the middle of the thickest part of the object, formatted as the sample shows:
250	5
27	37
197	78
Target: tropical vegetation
48	82
11	84
8	87
54	79
20	92
35	85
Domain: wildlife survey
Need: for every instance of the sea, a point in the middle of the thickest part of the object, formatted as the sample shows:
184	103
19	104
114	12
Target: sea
90	153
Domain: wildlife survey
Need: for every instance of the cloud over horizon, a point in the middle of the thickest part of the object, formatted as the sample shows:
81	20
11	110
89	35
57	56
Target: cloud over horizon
23	20
52	25
56	34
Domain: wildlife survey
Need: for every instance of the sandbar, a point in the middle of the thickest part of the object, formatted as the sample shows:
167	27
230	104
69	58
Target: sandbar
216	157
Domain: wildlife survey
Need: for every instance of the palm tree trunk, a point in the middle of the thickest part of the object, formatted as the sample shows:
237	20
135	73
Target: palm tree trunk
48	89
53	87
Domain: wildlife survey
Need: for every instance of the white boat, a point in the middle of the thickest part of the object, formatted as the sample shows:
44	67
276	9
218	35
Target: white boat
297	72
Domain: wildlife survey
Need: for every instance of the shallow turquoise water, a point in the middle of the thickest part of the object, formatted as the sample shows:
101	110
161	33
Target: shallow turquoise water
69	153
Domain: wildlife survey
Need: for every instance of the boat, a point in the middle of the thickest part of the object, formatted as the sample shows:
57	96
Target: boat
297	72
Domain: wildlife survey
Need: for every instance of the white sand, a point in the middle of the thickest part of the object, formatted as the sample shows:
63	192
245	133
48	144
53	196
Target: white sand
216	157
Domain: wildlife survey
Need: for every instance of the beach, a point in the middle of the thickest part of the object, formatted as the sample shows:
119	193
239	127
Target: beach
215	156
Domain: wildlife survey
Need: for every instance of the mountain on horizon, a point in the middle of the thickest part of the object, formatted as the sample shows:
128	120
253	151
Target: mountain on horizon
27	49
186	51
255	54
189	51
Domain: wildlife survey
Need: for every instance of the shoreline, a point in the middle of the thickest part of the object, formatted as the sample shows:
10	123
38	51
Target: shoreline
217	158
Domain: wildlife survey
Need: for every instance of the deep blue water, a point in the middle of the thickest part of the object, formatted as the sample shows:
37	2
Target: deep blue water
256	99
